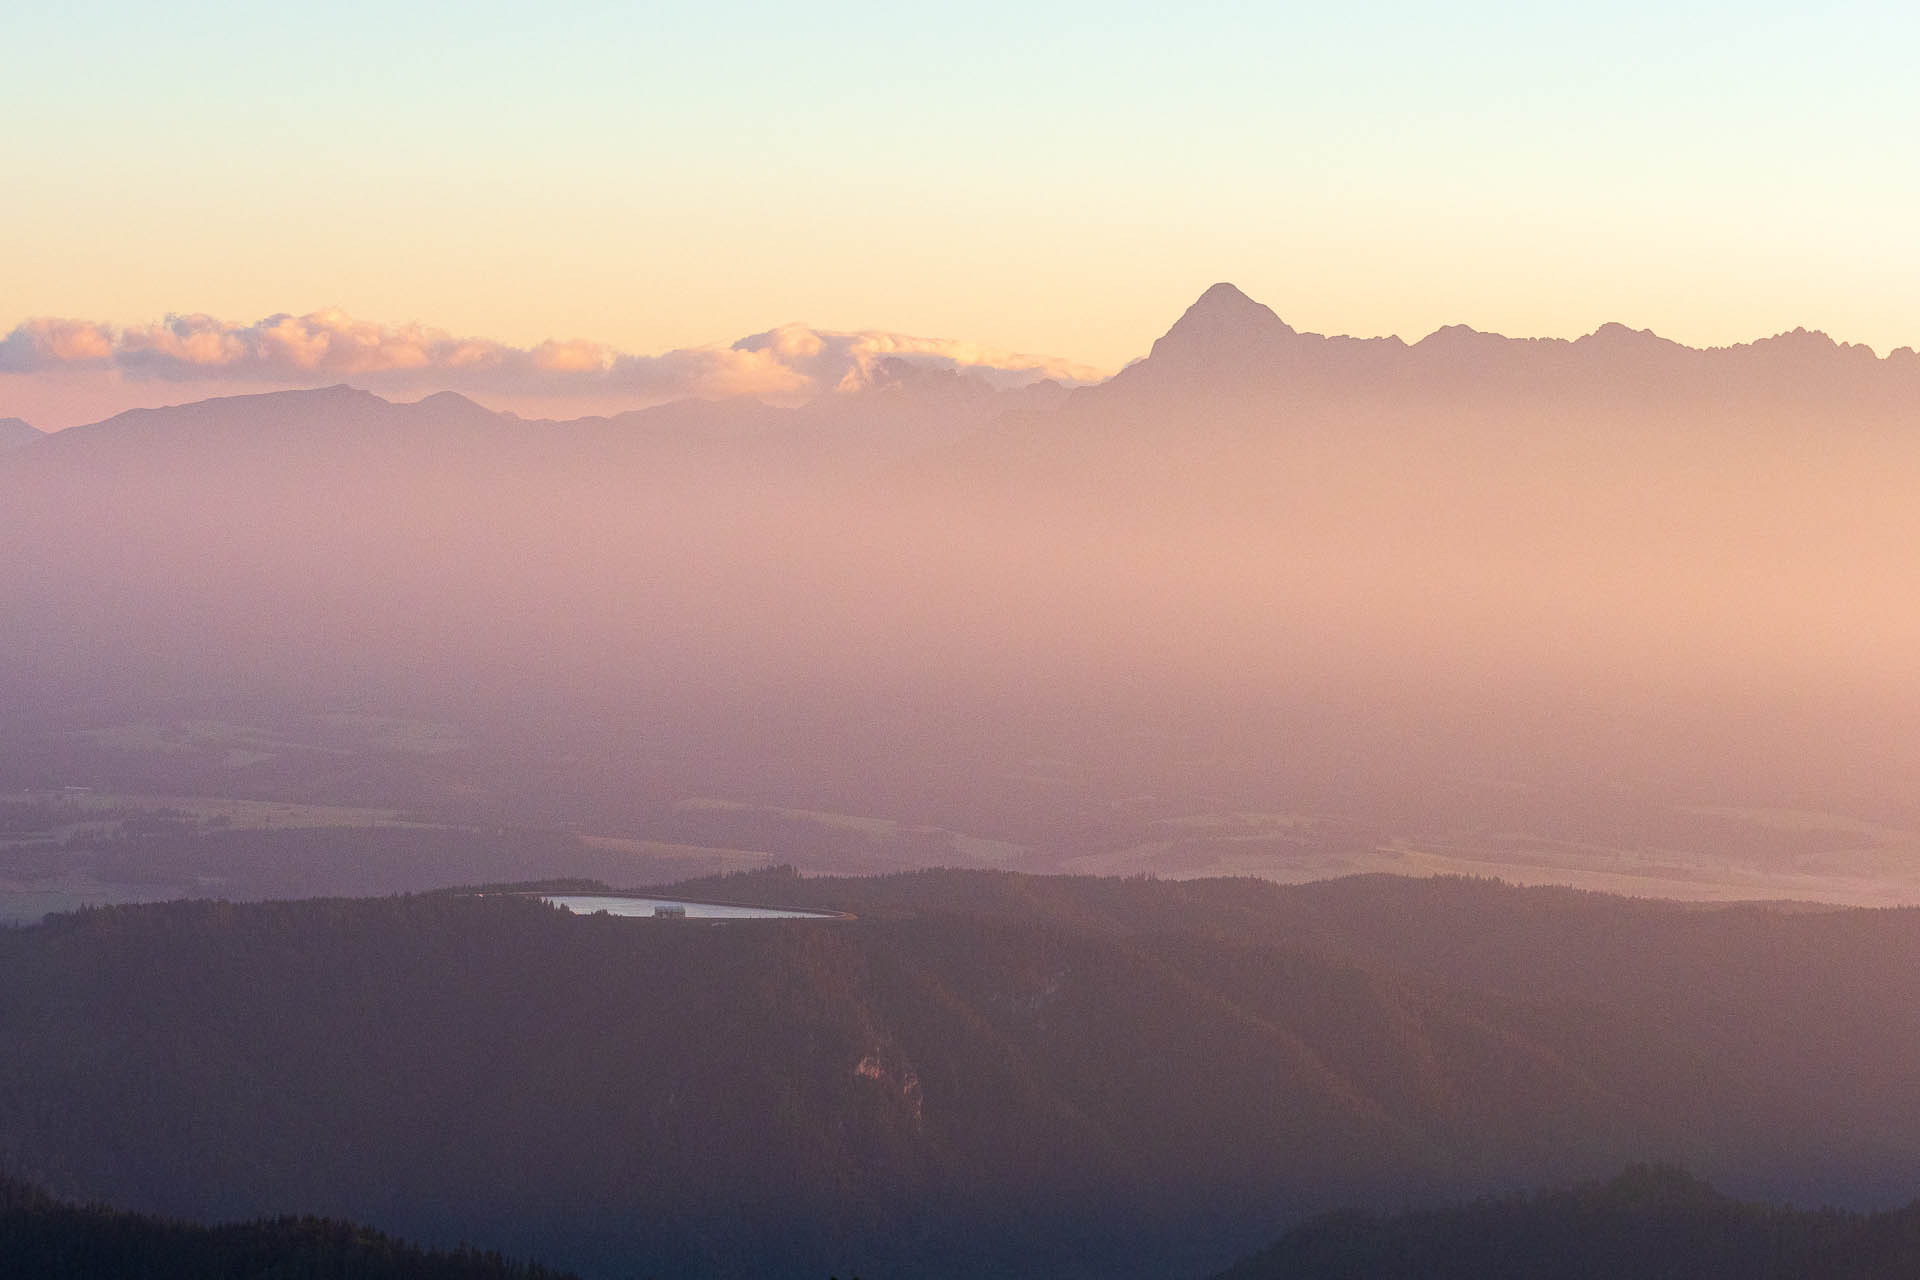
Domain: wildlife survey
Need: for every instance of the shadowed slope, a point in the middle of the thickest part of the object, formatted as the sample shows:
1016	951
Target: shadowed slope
982	1073
1645	1222
47	1240
15	432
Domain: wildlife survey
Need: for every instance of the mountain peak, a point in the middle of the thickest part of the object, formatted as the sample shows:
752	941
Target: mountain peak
1223	305
1799	339
1614	336
17	431
1224	293
448	400
1223	325
453	405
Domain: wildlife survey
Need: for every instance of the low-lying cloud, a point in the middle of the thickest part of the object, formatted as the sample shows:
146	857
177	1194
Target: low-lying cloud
790	363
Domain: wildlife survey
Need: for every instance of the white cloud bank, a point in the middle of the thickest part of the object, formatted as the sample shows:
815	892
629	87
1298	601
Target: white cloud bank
787	364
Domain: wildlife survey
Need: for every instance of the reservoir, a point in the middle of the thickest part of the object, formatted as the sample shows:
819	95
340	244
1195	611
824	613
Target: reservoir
585	904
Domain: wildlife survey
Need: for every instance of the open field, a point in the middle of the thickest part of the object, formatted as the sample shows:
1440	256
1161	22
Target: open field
338	732
77	811
972	850
51	853
703	856
66	849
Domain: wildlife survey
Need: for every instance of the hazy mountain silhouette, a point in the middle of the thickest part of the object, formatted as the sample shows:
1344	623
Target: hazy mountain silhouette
338	429
1226	341
1313	573
1223	329
16	431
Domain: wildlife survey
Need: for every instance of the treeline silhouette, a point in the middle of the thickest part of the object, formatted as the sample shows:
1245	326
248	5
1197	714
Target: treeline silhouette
44	1239
1650	1221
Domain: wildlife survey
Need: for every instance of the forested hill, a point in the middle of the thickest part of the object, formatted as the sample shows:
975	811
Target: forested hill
1647	1222
44	1239
981	1074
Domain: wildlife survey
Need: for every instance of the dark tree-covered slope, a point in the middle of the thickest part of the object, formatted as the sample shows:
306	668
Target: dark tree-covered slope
44	1239
982	1074
1648	1222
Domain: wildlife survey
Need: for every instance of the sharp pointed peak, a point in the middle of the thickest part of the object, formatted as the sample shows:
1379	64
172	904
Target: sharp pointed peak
1223	292
1222	324
1226	302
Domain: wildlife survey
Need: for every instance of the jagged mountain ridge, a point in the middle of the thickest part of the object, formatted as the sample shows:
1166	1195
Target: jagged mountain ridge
1468	555
1228	337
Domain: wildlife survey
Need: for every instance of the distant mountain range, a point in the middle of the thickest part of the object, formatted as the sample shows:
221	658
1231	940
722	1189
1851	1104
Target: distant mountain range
1227	337
1225	344
15	432
1309	573
1228	360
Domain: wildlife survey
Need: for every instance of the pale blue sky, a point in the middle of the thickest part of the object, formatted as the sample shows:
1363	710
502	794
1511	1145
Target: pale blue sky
1055	177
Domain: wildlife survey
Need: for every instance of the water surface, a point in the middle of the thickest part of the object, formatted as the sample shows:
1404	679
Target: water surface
587	904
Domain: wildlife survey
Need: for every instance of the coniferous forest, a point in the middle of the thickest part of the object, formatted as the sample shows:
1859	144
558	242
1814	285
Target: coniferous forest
45	1239
978	1073
1646	1222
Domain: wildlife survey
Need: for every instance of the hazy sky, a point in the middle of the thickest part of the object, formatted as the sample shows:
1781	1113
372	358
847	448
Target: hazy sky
1058	178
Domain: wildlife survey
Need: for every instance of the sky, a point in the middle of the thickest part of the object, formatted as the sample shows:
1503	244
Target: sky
1058	178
